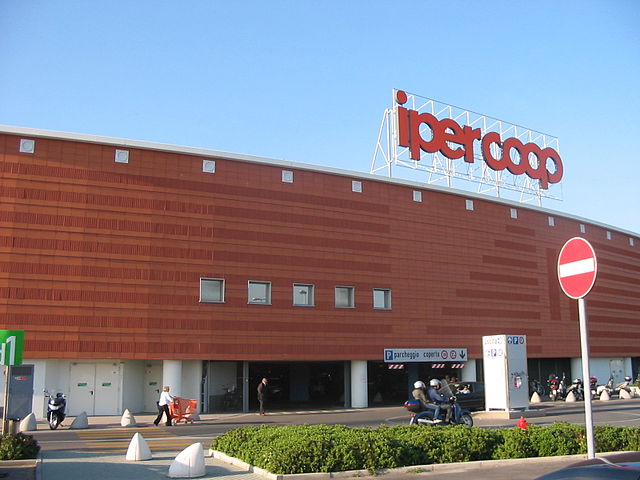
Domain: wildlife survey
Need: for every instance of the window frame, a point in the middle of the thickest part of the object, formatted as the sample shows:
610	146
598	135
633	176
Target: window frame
352	296
311	301
255	301
222	289
386	300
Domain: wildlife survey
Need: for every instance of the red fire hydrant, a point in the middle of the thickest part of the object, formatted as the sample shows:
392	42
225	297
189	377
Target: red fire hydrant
522	423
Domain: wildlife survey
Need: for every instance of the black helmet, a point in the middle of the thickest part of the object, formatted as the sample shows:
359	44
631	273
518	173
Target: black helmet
59	395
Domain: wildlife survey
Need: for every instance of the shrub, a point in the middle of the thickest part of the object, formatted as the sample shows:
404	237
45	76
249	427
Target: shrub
17	446
327	448
514	443
630	439
609	439
560	438
465	444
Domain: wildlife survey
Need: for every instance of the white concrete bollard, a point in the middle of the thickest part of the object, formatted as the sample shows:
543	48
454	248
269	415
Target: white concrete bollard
535	398
604	396
128	420
81	421
28	423
189	463
138	449
624	394
571	398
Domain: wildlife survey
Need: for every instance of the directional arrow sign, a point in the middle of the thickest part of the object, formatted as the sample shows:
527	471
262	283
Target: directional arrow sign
577	267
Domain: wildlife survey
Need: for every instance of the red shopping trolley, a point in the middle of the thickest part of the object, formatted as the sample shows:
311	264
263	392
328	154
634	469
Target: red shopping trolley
182	409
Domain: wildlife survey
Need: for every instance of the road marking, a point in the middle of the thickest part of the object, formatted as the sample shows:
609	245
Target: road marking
172	443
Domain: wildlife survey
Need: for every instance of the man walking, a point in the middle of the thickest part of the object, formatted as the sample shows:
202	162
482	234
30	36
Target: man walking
263	389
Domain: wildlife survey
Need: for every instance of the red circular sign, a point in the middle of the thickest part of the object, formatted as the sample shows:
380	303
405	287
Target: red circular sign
577	267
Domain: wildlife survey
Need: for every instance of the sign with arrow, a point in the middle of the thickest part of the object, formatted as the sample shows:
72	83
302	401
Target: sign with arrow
405	355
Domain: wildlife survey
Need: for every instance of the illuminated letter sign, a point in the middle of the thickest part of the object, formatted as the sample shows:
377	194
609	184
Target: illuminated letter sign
447	131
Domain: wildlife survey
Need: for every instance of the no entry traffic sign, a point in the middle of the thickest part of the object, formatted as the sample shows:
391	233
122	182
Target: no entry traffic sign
577	267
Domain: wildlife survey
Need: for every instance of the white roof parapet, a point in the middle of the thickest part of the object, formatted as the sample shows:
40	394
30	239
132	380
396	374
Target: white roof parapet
202	152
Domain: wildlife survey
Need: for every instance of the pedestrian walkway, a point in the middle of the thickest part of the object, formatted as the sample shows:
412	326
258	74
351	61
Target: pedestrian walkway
71	465
111	440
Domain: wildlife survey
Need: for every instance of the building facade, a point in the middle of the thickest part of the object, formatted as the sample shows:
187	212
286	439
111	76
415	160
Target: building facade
130	265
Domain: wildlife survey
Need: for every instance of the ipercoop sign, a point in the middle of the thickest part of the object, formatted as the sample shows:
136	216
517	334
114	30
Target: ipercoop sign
514	155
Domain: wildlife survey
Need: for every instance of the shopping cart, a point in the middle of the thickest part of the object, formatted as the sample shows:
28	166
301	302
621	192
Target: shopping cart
182	409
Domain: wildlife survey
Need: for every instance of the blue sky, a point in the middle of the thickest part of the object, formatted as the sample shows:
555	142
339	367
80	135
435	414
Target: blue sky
308	81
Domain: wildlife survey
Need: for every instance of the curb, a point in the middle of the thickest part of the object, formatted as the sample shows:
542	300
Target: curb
412	469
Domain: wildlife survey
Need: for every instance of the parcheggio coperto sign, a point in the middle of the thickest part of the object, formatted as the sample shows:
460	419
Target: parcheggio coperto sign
406	355
454	141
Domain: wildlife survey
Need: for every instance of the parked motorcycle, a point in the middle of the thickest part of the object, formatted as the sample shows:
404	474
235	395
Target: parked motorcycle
422	416
624	385
557	387
593	387
536	386
607	386
55	409
577	389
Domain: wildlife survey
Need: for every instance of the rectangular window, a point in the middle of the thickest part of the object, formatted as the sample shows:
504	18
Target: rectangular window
122	156
259	292
356	186
552	221
382	298
287	176
417	196
209	166
631	242
211	290
303	295
514	213
583	229
345	297
469	204
608	235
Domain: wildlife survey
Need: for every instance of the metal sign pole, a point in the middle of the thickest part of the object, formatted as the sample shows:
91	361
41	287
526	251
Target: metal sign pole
5	409
584	343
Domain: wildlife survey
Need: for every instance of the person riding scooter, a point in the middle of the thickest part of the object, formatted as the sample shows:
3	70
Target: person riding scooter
441	402
419	389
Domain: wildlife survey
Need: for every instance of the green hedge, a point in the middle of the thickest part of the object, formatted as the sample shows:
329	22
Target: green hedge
330	448
18	446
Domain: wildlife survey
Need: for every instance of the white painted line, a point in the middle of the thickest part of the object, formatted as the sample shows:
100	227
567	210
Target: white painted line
576	268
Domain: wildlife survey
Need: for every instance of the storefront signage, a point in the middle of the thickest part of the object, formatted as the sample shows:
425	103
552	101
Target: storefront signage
455	141
406	355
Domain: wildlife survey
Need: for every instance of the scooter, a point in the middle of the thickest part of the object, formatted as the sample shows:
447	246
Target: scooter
557	387
424	416
535	386
55	409
577	389
625	385
593	387
607	386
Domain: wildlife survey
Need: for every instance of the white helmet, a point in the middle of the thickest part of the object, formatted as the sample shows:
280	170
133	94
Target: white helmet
419	384
434	382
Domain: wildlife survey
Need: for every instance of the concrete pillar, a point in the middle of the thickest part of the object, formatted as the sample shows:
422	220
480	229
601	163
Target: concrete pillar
191	379
359	391
468	373
172	376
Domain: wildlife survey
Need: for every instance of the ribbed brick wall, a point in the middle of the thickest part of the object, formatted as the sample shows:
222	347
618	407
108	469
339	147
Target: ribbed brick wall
103	260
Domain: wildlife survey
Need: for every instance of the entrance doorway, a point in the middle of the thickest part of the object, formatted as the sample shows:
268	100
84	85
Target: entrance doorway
152	386
94	389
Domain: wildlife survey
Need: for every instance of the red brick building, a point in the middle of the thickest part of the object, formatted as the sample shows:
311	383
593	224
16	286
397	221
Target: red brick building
130	264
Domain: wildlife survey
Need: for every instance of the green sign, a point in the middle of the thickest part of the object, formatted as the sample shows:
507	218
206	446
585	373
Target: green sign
11	344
